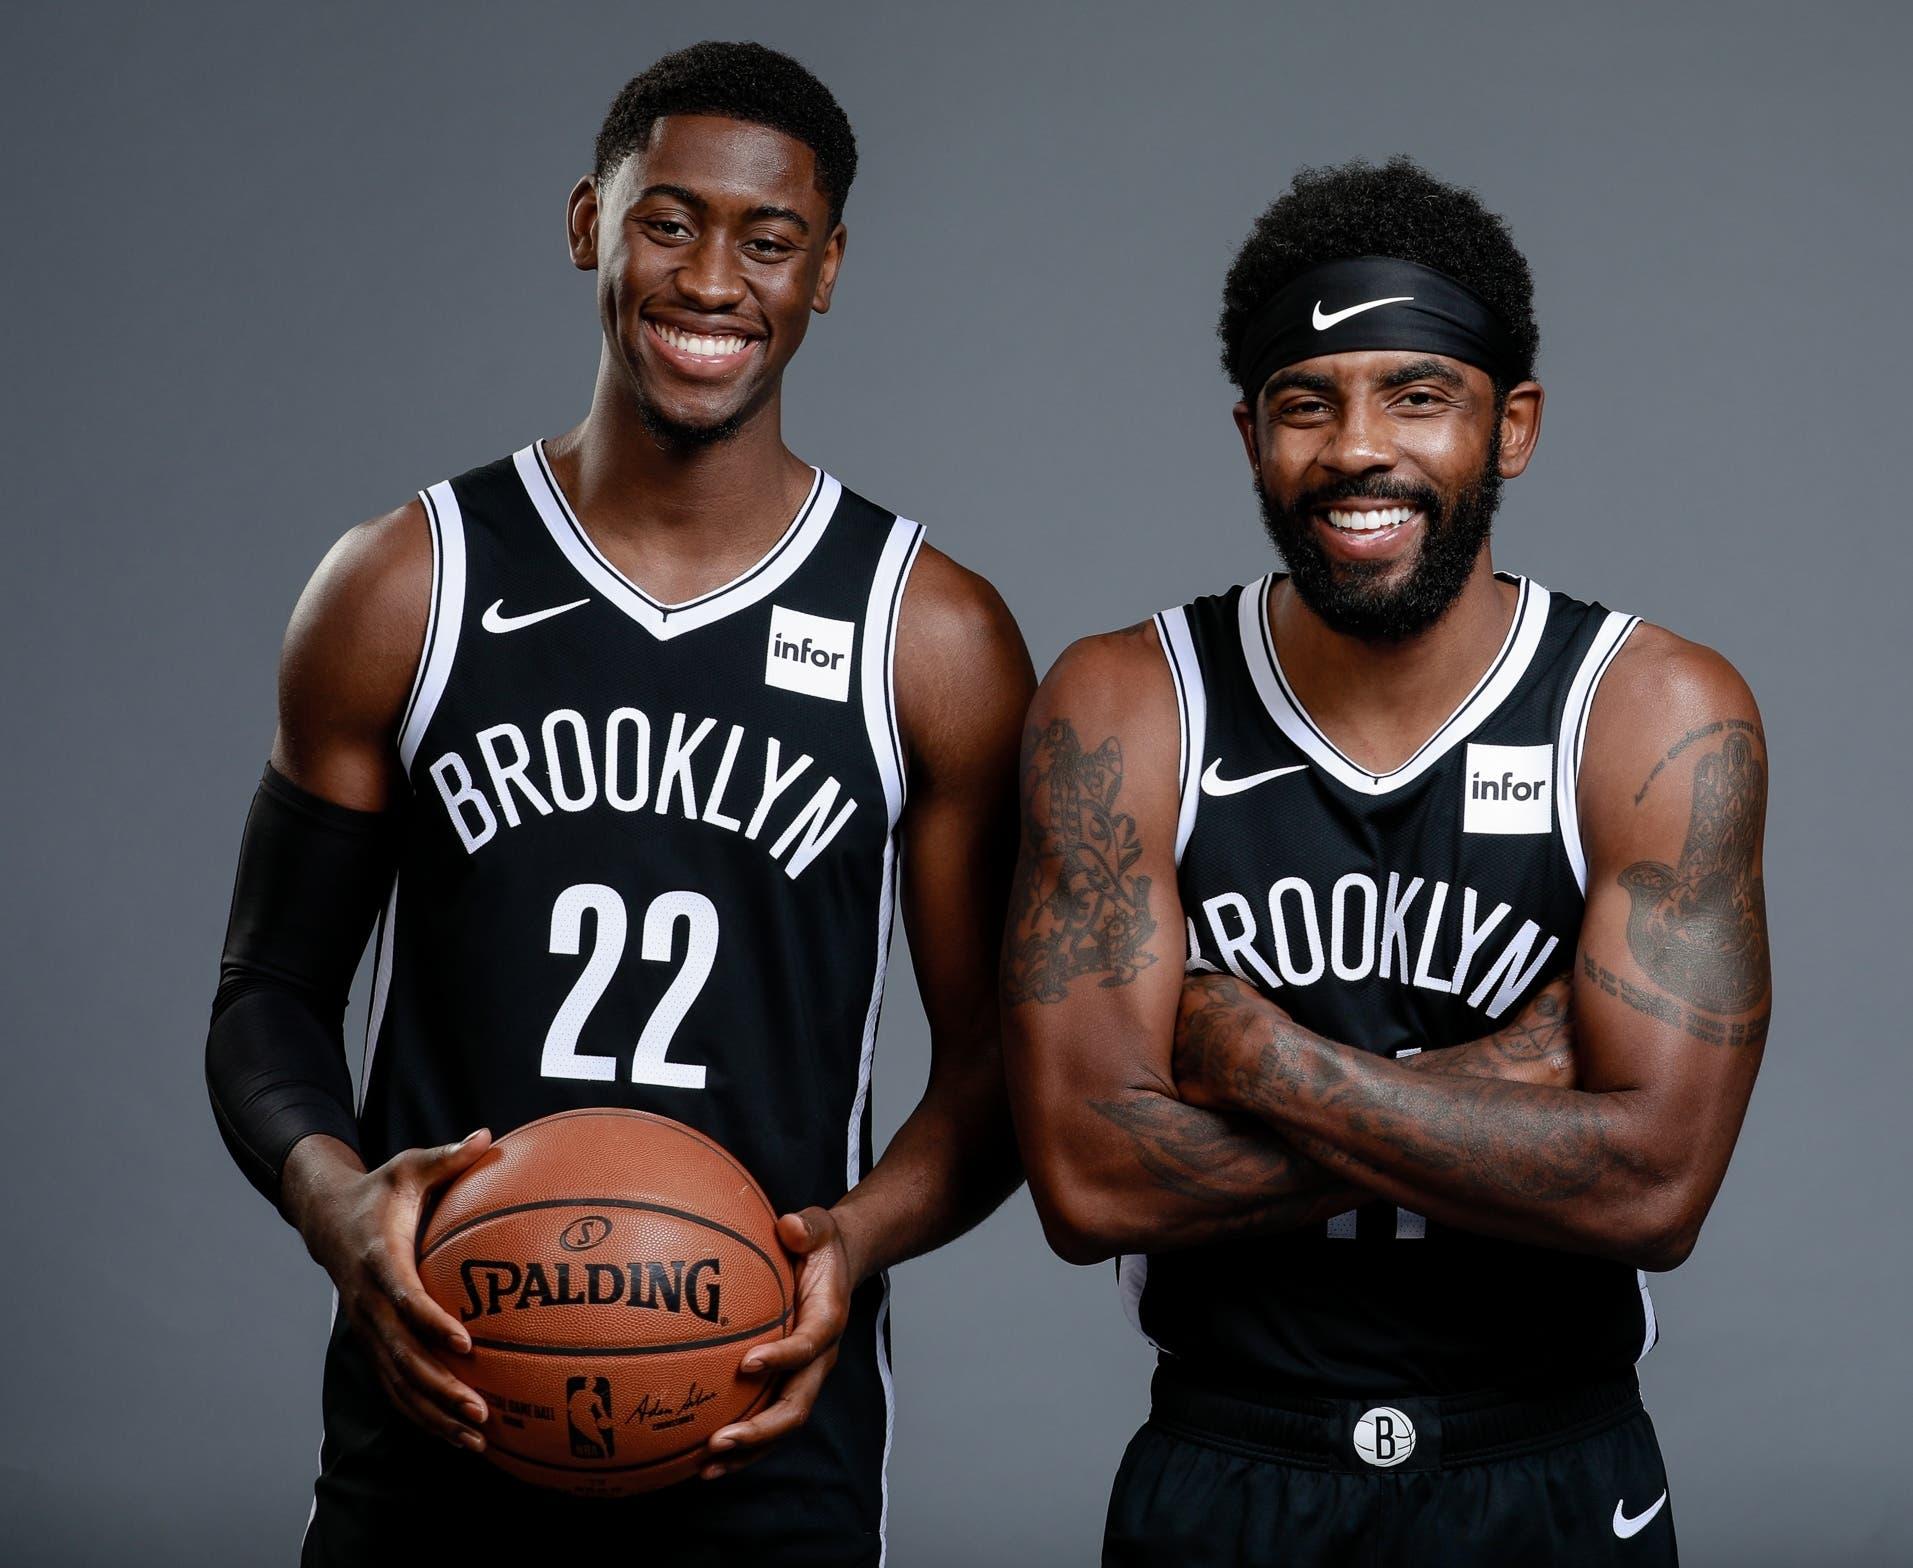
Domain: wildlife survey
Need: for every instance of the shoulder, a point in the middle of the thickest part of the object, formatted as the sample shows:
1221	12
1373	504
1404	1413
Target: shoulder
963	676
1664	706
950	610
1661	689
1657	670
1108	664
353	644
373	573
1111	698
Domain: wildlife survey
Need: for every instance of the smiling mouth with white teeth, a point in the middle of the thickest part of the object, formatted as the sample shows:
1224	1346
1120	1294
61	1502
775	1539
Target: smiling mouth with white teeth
1367	522
703	345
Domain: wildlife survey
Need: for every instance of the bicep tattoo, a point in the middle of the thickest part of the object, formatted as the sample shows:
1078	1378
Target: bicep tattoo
1699	929
1077	906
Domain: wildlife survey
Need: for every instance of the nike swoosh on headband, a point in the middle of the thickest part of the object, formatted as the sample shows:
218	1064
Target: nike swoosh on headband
495	620
1323	323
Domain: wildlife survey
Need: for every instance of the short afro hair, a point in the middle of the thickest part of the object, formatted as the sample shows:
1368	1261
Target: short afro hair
740	81
1398	210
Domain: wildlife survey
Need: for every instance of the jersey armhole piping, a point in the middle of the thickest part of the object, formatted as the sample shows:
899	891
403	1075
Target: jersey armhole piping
1572	740
878	667
1192	717
442	620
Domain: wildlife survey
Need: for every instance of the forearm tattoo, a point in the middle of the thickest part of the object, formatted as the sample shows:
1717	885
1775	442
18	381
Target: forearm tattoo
1496	1133
1699	929
1077	907
1247	1177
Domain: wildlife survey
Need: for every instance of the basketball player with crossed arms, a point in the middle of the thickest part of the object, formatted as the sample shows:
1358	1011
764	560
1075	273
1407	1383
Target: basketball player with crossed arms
624	740
1387	972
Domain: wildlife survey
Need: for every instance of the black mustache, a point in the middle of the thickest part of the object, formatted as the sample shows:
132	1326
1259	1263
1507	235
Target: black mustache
1421	497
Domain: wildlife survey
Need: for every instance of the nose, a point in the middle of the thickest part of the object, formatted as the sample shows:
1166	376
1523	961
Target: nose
1360	441
709	277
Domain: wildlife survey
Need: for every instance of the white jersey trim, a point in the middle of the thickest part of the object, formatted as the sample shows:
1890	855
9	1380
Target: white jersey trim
877	666
442	620
877	671
1497	683
1132	1278
1572	740
889	1423
1192	717
381	988
665	621
1651	1334
853	1155
312	1513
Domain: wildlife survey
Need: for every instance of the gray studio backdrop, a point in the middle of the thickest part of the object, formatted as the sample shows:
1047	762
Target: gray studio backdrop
271	268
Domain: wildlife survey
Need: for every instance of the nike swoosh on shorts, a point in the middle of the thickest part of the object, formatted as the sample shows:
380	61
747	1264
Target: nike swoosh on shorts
1625	1527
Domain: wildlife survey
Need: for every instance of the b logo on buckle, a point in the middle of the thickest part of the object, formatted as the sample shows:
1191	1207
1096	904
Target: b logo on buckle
1384	1436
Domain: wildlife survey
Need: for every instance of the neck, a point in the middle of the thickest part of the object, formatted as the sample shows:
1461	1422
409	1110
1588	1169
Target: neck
624	479
1380	700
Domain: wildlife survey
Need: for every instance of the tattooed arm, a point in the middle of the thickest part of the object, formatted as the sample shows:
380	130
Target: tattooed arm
1091	974
1670	1002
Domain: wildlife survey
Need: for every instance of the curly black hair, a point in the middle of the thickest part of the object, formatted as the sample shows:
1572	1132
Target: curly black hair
1399	210
741	81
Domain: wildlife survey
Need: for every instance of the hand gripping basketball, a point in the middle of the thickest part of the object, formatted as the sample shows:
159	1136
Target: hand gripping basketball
362	1230
804	1358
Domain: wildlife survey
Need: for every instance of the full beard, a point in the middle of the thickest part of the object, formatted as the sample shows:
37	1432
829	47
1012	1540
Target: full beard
1354	597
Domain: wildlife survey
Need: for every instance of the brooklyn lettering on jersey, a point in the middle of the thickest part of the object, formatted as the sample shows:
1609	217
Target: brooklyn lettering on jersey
587	767
1361	927
495	1285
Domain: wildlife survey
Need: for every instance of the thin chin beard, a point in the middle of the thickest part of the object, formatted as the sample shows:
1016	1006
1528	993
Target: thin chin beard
675	435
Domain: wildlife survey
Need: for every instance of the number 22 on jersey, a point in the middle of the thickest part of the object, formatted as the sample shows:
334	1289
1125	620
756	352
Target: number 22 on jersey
649	1063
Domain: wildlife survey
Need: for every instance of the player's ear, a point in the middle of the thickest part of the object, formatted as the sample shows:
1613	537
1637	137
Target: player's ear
827	273
581	224
1520	427
1245	427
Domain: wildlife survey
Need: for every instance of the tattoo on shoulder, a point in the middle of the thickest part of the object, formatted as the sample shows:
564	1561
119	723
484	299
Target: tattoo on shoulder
1077	907
1699	928
1694	737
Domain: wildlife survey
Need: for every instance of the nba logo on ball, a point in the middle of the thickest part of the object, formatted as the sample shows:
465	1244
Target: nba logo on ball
1384	1436
588	1413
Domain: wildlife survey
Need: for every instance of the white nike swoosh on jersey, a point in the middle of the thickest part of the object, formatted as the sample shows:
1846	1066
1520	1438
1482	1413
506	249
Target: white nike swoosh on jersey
1624	1526
1323	323
1213	783
495	620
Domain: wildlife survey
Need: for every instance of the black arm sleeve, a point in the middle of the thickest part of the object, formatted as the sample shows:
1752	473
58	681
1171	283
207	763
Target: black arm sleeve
312	876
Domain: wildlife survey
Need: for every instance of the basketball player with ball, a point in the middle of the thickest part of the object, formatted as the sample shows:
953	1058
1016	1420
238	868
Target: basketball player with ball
624	748
1387	972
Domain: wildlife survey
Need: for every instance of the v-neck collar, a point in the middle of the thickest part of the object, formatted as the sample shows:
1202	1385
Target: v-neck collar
1493	689
665	621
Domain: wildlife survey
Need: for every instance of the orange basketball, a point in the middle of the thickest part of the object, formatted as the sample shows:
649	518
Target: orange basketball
612	1268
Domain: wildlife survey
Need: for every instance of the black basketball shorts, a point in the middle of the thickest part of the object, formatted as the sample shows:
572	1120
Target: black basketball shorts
1475	1482
390	1496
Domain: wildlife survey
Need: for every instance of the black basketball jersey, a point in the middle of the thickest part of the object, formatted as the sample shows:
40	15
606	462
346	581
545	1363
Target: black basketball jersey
650	860
650	854
1395	913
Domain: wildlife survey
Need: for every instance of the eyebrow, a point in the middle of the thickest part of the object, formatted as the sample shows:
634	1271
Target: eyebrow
690	198
1299	380
1421	370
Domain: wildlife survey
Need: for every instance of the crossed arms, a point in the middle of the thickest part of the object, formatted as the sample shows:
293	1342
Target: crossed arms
1156	1113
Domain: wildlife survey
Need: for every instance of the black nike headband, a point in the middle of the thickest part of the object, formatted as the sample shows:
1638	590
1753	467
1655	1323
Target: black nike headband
1374	302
